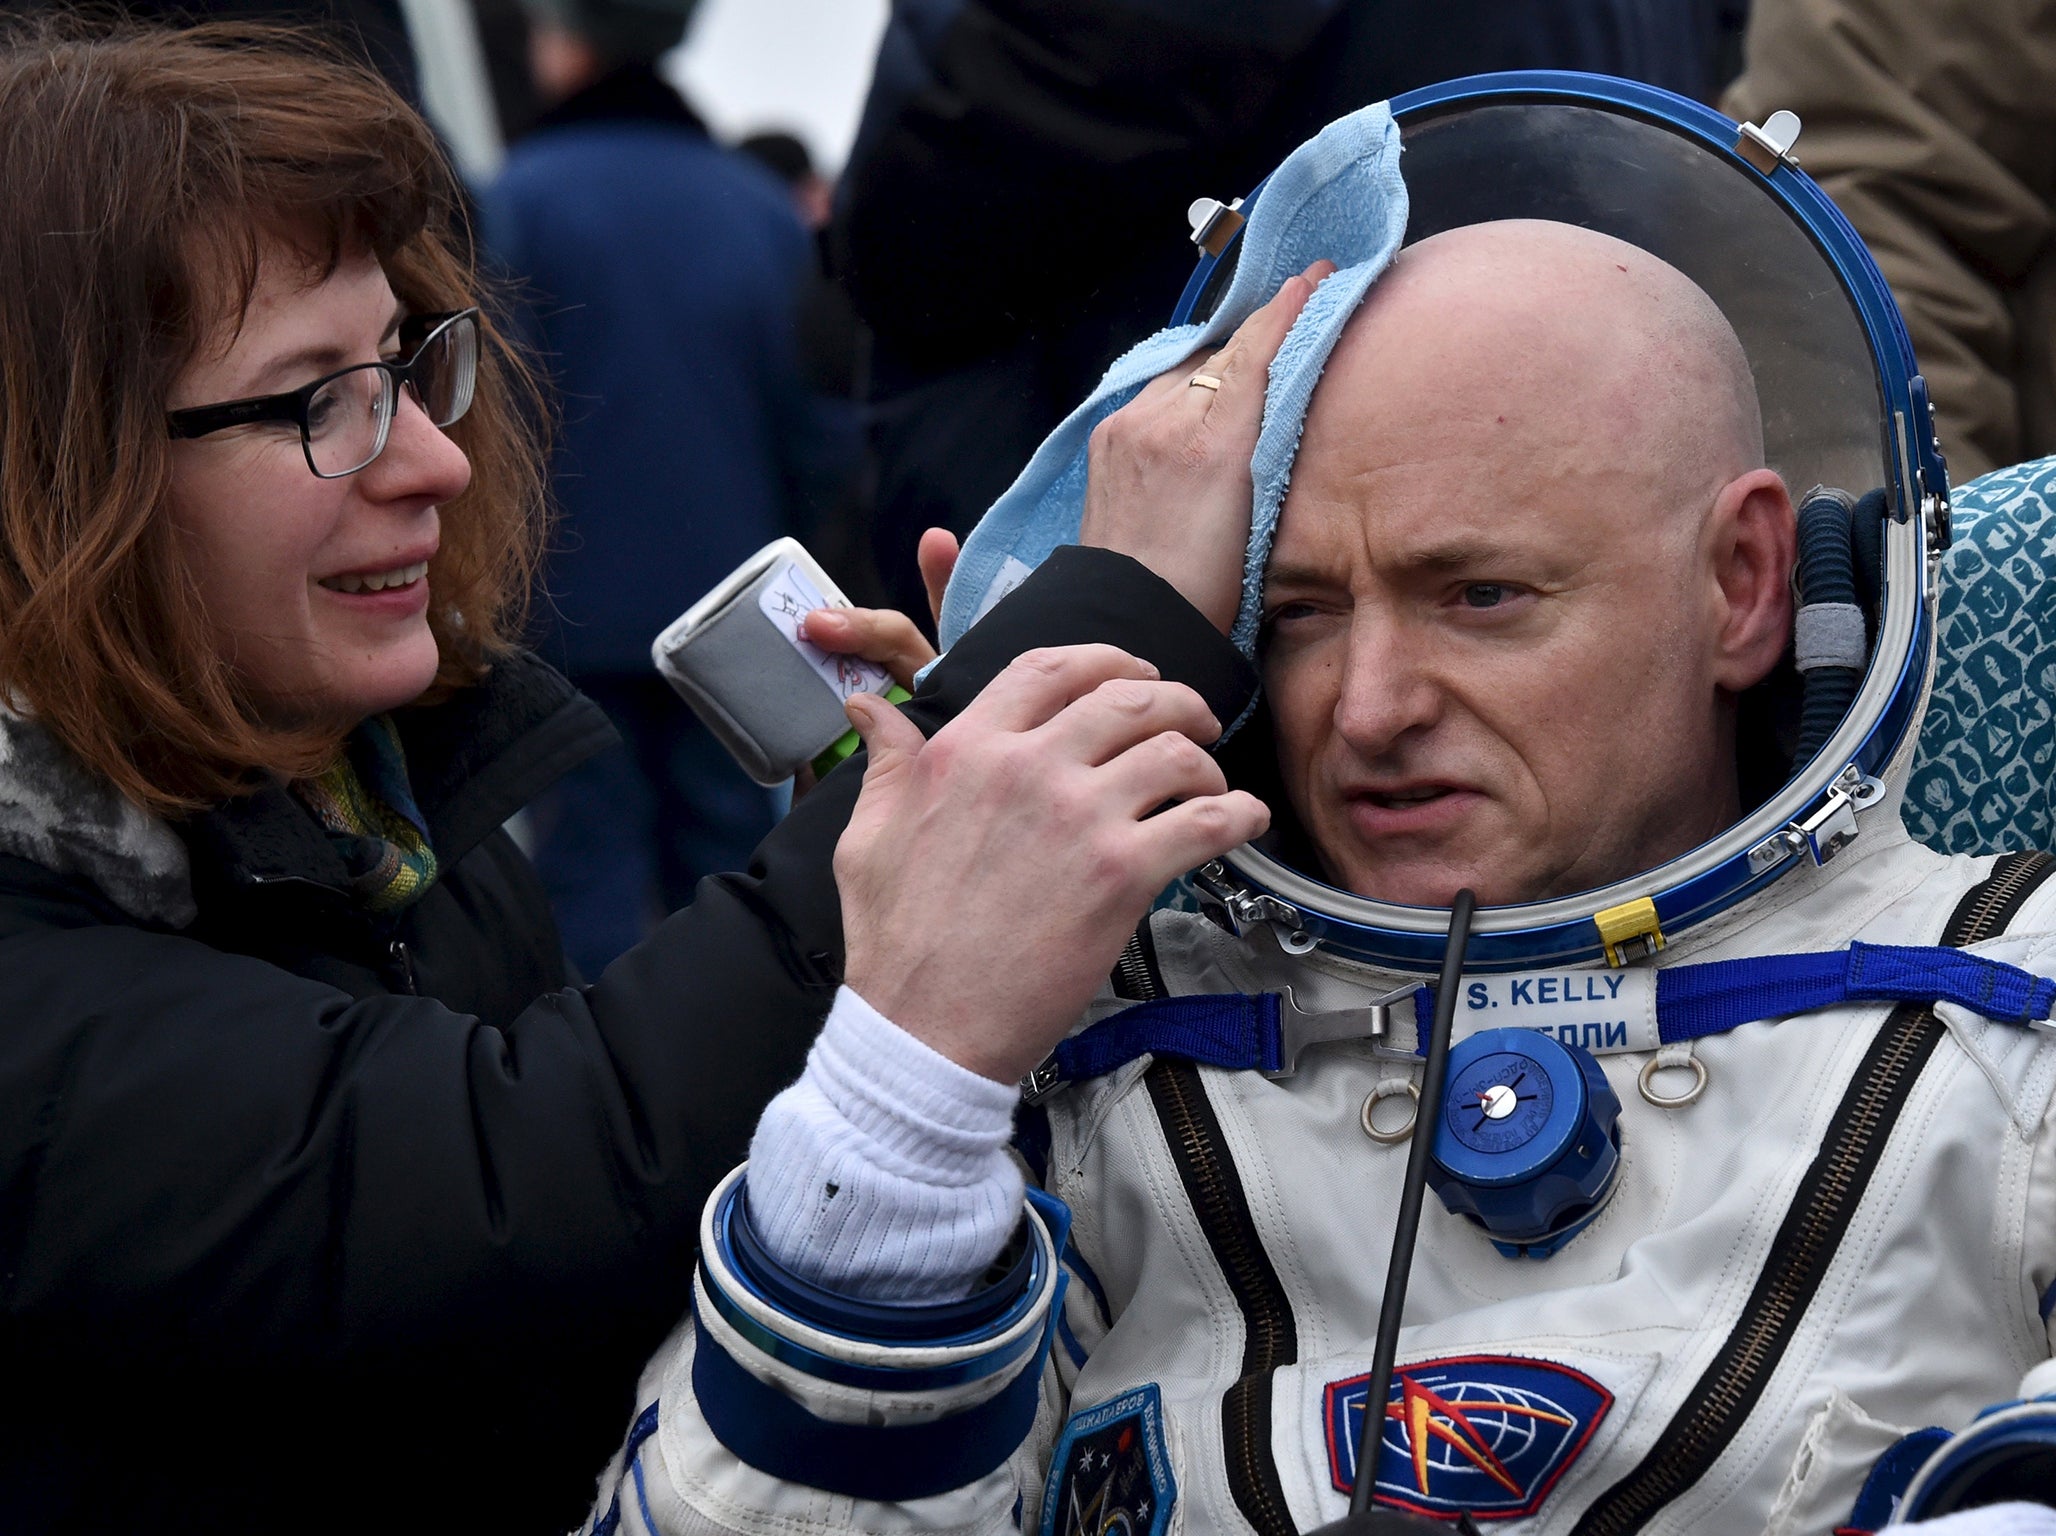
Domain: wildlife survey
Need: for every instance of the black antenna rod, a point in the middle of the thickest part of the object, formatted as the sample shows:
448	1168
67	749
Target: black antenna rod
1370	1441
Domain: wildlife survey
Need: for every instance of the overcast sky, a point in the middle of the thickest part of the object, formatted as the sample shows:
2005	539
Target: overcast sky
800	65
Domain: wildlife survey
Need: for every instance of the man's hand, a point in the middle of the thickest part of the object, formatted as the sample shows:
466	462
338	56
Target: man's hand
1167	475
991	876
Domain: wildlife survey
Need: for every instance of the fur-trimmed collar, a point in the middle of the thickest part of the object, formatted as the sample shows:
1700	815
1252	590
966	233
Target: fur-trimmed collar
56	812
474	760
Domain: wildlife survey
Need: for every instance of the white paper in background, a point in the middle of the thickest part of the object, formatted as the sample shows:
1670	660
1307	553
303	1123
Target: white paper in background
789	597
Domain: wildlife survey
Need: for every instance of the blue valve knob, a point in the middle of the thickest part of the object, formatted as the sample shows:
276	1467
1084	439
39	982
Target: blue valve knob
1529	1144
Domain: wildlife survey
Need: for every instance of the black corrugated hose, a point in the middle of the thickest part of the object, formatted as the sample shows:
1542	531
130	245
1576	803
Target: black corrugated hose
1827	574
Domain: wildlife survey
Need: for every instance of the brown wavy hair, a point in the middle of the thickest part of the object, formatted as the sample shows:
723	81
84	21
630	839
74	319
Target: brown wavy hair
142	170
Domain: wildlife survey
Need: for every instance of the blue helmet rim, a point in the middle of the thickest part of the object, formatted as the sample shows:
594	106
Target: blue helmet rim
1883	718
1905	392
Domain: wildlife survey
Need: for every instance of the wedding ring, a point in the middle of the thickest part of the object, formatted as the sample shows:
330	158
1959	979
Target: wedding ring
1203	381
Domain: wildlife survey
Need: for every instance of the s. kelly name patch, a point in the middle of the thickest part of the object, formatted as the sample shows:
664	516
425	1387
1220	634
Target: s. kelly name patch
1599	1010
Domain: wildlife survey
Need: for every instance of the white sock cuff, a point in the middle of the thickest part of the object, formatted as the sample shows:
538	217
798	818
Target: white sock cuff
906	1097
883	1172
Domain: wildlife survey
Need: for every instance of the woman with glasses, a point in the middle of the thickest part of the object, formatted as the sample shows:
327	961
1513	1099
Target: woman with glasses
325	1200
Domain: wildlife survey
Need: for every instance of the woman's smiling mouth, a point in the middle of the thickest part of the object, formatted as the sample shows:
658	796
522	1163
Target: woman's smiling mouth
378	581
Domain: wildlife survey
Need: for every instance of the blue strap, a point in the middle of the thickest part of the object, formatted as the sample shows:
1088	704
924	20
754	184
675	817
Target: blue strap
645	1425
1898	973
1234	1030
1697	1000
886	1462
1239	1032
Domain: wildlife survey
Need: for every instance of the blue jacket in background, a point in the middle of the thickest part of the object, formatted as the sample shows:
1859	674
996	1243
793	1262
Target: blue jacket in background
659	274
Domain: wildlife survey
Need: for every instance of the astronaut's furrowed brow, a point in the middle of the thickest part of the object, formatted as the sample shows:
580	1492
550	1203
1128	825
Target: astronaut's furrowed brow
1433	557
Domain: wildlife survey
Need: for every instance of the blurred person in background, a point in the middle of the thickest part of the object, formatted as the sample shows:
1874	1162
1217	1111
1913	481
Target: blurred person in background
833	352
785	156
503	41
661	275
1933	127
1932	124
1012	217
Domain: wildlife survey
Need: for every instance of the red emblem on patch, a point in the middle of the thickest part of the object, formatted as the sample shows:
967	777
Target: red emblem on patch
1487	1434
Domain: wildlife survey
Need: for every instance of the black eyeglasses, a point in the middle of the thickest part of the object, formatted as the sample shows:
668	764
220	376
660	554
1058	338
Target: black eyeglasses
345	417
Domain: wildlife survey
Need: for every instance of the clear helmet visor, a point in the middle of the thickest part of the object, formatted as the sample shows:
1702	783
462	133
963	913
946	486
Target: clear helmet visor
1816	374
1842	407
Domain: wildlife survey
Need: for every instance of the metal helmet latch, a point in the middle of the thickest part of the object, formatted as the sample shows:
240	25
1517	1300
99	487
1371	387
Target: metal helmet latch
1769	145
1213	223
1244	908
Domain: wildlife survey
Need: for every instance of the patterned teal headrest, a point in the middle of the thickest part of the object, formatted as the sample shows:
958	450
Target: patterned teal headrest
1984	779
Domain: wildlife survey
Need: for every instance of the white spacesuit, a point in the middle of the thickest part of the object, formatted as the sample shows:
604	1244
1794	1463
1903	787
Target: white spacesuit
1234	1229
1815	1233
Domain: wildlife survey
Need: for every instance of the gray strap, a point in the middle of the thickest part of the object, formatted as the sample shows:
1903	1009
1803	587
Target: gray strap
1829	635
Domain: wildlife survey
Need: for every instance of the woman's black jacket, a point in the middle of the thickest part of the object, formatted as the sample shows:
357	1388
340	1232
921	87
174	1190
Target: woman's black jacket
309	1220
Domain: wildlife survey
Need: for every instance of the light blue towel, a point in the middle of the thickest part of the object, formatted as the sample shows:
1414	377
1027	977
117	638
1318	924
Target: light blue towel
1337	196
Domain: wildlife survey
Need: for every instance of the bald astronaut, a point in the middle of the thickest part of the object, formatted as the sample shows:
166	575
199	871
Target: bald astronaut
1529	562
